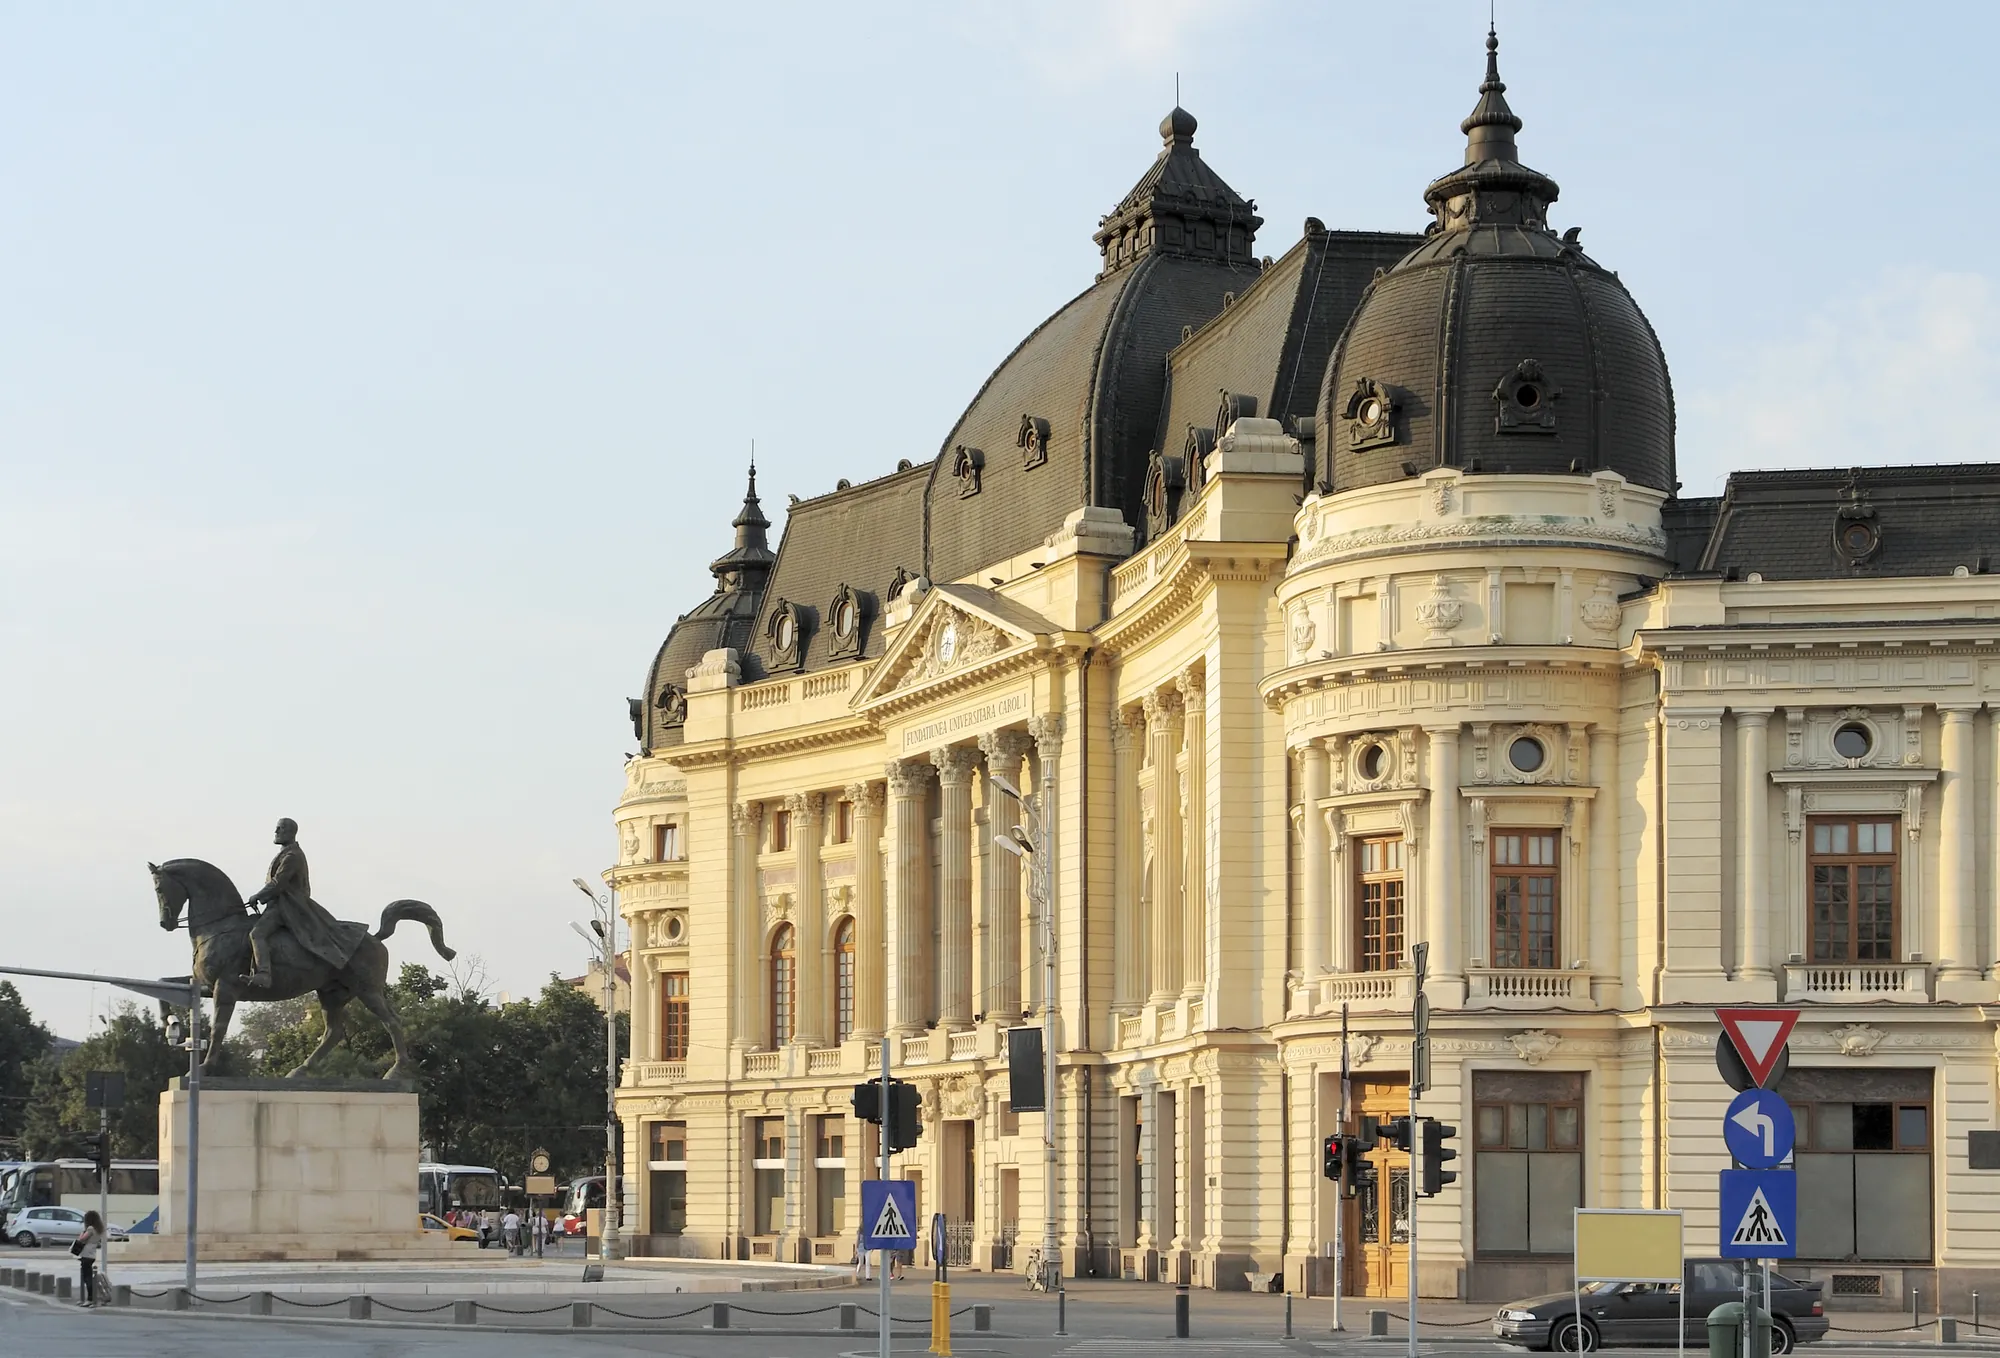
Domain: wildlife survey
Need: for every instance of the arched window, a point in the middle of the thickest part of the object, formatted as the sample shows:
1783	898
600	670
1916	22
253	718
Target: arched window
784	985
843	980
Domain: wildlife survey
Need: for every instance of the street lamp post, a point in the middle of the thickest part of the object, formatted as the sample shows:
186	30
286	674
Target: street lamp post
1031	843
604	925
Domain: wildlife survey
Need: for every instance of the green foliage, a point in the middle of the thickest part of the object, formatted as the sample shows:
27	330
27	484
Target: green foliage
494	1081
133	1042
23	1043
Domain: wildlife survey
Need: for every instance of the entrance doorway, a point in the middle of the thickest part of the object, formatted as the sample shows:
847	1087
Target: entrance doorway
1376	1227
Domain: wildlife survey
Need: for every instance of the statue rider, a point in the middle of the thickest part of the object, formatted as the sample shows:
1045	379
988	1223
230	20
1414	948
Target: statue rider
288	904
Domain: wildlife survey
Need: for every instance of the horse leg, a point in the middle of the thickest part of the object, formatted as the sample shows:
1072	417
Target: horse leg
378	1004
331	1004
225	1007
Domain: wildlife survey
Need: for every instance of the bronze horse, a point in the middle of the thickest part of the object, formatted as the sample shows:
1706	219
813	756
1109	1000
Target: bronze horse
219	924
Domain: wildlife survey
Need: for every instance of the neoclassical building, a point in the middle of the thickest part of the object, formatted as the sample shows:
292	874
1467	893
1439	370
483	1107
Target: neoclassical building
1327	604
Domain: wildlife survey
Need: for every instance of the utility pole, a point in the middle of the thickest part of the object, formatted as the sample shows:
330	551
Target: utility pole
1033	844
1420	1078
604	923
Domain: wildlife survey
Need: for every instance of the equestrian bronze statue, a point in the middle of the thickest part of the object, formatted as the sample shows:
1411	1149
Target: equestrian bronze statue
294	947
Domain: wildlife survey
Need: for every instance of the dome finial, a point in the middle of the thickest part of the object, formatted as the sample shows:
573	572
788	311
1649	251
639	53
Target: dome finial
1490	128
1177	128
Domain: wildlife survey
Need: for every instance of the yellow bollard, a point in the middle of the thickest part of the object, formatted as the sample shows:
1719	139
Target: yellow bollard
941	1319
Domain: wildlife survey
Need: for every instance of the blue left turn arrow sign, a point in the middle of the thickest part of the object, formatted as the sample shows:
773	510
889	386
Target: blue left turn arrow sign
1758	1129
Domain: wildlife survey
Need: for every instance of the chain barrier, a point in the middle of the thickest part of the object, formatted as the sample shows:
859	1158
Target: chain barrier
751	1310
626	1315
1444	1324
410	1310
314	1305
1870	1329
219	1301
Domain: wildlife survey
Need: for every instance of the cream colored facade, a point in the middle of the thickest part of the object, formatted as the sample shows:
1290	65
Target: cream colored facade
1226	718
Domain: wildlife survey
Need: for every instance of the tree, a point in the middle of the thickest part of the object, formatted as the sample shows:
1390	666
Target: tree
132	1042
23	1043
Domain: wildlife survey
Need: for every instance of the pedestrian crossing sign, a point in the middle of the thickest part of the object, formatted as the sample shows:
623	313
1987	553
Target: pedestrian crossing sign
1759	1215
888	1214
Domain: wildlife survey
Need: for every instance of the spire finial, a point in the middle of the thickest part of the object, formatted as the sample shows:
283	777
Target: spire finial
1490	128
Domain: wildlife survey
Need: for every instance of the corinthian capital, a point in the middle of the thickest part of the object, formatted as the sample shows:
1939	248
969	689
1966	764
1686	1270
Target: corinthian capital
954	764
907	777
804	804
1005	750
745	817
866	796
1047	731
1193	685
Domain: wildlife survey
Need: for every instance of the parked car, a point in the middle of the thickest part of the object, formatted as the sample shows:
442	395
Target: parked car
34	1226
433	1222
1643	1313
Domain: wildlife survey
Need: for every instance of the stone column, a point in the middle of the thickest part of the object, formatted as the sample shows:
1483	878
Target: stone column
1162	712
1958	928
1604	912
746	916
954	765
1129	948
1753	849
1315	901
1444	923
1194	800
869	972
1005	750
809	917
909	913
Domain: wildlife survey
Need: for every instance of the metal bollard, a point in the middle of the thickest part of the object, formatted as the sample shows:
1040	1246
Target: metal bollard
465	1313
177	1299
1180	1311
580	1315
1288	1315
360	1308
1947	1330
121	1295
850	1315
45	1283
1916	1308
982	1317
1062	1312
718	1316
1378	1324
260	1303
1975	1313
63	1289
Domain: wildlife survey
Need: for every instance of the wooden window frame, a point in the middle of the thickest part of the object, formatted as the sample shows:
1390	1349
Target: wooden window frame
784	985
667	842
675	1015
845	970
843	821
1503	876
1380	956
1853	860
781	831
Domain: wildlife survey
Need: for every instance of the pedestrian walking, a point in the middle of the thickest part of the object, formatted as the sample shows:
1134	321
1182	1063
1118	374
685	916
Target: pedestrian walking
510	1231
89	1247
860	1259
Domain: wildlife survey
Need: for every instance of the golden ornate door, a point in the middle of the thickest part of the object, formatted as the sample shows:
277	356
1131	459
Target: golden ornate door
1377	1225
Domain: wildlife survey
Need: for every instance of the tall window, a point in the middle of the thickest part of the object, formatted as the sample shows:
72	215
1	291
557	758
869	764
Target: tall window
830	1175
1853	867
668	1166
666	843
1379	892
843	980
1527	1176
784	985
1866	1178
1524	898
781	831
673	1016
843	821
767	1163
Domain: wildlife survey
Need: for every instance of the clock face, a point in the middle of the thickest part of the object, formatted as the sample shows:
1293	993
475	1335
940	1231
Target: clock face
788	632
540	1163
947	644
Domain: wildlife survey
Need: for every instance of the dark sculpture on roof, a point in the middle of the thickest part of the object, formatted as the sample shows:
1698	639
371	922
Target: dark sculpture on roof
293	948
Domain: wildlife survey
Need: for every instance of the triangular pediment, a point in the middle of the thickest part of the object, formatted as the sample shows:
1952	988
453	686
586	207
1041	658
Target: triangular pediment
957	629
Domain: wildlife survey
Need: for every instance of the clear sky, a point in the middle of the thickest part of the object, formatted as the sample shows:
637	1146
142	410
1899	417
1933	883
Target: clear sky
376	379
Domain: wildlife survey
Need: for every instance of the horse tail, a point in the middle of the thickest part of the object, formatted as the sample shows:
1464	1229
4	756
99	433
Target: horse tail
395	912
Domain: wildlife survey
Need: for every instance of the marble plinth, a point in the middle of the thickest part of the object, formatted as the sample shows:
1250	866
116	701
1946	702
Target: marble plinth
293	1169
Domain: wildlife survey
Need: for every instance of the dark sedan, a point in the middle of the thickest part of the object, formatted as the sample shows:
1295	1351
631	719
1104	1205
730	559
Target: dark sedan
1644	1313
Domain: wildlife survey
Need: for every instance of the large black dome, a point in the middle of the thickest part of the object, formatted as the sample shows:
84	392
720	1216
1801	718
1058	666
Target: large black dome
1495	346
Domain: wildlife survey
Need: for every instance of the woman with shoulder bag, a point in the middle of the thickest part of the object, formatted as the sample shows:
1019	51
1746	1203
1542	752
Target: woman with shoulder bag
88	1248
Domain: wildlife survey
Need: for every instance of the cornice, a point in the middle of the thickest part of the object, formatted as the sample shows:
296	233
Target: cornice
1280	686
1059	648
1178	575
1491	530
817	736
1872	637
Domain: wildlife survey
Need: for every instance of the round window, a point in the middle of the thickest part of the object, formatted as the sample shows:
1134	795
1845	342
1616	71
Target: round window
788	632
674	928
1526	754
845	617
1857	537
1371	412
1852	741
1527	396
1370	763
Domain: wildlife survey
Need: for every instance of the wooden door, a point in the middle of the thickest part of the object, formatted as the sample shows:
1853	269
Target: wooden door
1378	1218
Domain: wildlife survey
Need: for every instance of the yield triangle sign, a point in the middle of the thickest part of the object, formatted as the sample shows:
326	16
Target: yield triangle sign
1758	1036
1759	1225
889	1222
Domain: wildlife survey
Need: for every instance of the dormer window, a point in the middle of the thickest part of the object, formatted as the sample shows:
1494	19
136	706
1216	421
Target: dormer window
1033	441
1526	400
787	632
1231	407
966	465
1857	534
846	619
1371	415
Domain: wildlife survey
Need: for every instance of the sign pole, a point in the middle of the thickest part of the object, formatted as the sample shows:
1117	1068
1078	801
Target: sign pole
1340	1185
1420	954
104	1197
882	1260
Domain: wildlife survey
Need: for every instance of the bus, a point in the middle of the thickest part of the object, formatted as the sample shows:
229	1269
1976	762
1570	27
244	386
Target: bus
459	1188
134	1187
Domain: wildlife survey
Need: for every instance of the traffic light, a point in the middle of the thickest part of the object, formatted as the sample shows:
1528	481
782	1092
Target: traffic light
94	1147
1396	1131
1360	1169
1331	1158
903	1124
1433	1176
868	1101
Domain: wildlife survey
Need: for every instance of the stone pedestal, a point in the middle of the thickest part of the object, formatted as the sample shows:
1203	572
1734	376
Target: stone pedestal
293	1169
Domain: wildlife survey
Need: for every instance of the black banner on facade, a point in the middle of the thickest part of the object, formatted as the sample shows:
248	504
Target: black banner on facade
1024	1070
